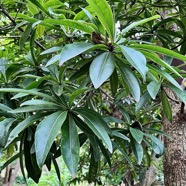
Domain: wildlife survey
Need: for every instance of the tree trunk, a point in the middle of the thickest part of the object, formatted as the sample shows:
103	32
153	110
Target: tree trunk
175	155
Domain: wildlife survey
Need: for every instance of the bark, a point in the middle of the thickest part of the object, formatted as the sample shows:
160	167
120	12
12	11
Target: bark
10	175
175	155
151	173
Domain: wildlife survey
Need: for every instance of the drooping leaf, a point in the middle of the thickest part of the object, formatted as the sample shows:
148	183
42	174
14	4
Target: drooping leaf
123	153
114	82
32	168
4	130
105	152
93	169
130	79
46	133
137	134
136	59
153	88
101	68
104	13
144	99
137	150
57	170
156	131
156	145
96	125
124	112
70	145
3	67
167	76
160	50
156	59
22	125
120	135
166	106
4	107
180	93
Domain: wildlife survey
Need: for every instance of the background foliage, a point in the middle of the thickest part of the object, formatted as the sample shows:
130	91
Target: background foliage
88	76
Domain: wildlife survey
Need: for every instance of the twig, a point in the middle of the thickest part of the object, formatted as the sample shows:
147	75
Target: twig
20	29
110	97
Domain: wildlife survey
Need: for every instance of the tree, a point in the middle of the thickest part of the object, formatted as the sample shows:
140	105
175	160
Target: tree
75	79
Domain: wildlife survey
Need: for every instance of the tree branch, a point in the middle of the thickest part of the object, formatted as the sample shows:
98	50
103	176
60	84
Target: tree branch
14	23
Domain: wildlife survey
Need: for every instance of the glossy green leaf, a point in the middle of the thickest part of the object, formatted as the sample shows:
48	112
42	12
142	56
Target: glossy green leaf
166	106
31	92
114	82
32	168
167	76
105	152
123	153
157	145
137	150
156	131
130	79
136	59
25	35
95	147
72	50
37	4
57	170
3	67
156	59
70	145
120	135
124	112
153	88
101	68
160	50
89	15
4	130
93	169
137	134
137	23
38	102
95	124
23	125
180	93
144	99
53	60
104	13
32	46
85	27
34	108
4	107
51	50
46	133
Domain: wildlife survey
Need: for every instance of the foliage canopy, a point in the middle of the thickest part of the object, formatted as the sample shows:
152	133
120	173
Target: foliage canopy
71	77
